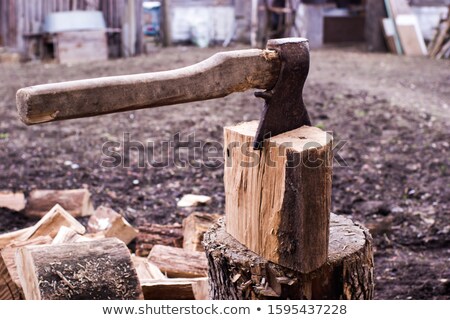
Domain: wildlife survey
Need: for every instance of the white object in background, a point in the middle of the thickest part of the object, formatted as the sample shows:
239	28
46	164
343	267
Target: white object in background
410	35
219	22
429	18
193	200
73	21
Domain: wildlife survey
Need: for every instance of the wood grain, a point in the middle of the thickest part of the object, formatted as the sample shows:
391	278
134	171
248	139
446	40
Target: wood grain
278	199
176	289
178	263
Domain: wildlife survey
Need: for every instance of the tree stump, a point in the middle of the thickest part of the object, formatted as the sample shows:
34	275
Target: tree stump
235	272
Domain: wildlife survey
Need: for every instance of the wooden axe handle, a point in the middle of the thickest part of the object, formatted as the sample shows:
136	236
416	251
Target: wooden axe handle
216	77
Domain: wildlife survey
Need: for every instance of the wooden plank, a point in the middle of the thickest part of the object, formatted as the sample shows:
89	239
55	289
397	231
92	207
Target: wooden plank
410	35
389	34
179	263
91	270
222	74
278	200
111	224
166	23
399	7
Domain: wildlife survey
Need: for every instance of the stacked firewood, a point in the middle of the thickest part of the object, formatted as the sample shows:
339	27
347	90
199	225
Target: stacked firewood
60	258
439	47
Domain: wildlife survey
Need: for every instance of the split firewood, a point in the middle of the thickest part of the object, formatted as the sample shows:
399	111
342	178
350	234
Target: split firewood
179	263
146	270
51	223
10	287
193	200
66	235
12	200
90	270
152	234
176	289
77	202
112	224
9	237
278	200
194	227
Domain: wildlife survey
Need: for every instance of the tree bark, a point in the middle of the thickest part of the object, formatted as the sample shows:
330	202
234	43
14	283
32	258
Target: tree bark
90	270
235	272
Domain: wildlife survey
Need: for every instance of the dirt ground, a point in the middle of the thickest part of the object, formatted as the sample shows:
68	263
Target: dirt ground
391	114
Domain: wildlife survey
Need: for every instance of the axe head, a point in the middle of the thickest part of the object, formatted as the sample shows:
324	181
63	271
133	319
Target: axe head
284	109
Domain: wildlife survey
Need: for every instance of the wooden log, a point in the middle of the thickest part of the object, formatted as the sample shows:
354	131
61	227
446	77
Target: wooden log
146	270
10	287
91	270
152	234
179	263
77	202
236	272
176	289
194	227
12	200
66	235
112	224
278	200
50	224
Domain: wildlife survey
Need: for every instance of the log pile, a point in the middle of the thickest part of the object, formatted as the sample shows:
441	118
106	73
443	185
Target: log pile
279	240
59	258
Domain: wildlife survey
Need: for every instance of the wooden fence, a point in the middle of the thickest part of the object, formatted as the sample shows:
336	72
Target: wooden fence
24	17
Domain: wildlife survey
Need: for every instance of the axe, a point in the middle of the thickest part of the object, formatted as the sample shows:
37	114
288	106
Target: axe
281	70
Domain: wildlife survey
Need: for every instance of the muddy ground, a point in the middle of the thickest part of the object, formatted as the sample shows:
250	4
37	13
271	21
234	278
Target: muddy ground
391	113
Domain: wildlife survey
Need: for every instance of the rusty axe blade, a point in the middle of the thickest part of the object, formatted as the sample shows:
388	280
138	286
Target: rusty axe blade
284	109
